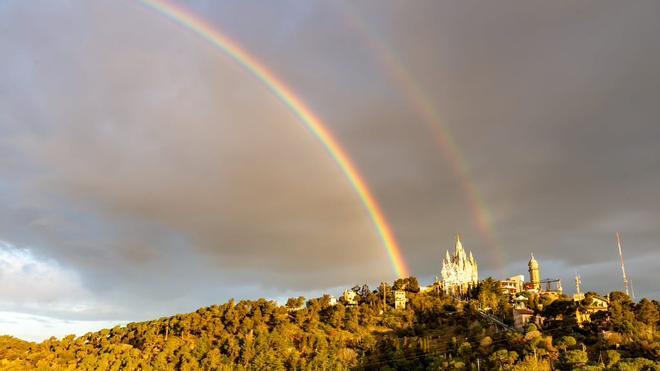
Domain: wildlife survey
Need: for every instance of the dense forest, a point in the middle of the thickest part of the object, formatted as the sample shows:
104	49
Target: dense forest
433	332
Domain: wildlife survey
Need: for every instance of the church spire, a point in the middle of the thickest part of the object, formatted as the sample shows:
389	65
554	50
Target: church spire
459	245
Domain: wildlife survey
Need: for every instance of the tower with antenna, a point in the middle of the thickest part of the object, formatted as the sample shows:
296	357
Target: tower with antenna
623	267
632	289
579	295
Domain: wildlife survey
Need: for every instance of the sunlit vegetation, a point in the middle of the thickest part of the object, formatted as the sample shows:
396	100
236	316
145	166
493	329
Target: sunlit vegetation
434	332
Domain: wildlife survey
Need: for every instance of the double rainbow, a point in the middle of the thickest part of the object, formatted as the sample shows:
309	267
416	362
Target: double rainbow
304	114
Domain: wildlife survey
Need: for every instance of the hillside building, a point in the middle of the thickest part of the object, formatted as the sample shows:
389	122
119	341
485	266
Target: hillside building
425	289
512	285
349	297
521	317
400	299
459	271
594	304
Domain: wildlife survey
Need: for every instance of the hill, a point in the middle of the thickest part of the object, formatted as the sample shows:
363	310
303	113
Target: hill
433	332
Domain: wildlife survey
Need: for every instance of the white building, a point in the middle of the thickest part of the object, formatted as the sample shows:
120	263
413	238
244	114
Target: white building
400	299
350	297
459	271
425	289
513	285
521	317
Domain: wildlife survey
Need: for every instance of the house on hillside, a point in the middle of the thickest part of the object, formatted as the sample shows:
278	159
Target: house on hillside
521	317
589	306
400	299
349	297
512	285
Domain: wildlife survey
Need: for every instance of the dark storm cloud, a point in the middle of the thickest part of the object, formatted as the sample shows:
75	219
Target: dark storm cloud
138	178
165	177
553	107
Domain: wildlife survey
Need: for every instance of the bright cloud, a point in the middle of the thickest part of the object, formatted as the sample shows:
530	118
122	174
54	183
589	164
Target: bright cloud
30	284
37	328
28	280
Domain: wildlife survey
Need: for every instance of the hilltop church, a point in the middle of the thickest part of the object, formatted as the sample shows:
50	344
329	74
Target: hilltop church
459	271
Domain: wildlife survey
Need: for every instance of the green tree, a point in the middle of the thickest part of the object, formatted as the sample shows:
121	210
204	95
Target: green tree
532	363
295	303
489	294
503	359
260	334
612	357
647	312
565	342
409	284
574	358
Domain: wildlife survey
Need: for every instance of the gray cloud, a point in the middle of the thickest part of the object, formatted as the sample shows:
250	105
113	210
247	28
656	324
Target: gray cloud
138	156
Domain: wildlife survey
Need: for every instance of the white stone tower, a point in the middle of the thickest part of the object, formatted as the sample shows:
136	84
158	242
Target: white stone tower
534	274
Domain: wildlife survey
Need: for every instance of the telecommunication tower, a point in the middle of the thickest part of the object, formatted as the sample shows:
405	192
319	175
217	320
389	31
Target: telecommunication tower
623	267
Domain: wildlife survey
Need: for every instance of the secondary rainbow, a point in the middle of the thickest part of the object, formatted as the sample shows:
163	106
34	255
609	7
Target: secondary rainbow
305	115
425	108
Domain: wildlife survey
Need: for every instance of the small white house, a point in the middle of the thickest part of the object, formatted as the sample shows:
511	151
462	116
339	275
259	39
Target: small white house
350	297
400	299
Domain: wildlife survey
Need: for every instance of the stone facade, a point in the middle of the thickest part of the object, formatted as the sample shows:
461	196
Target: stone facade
459	271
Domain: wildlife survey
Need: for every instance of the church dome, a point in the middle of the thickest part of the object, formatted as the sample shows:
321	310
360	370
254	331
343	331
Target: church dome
533	263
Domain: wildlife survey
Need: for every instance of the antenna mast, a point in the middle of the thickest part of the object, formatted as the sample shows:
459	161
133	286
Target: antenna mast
623	267
632	290
578	296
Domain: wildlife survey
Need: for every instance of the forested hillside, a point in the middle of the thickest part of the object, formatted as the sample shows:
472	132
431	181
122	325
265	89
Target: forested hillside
433	332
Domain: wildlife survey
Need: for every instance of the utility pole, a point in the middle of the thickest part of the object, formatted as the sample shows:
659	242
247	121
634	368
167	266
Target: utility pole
623	267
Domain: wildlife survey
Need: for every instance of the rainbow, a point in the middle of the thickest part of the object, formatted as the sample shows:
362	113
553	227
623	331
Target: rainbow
425	108
299	109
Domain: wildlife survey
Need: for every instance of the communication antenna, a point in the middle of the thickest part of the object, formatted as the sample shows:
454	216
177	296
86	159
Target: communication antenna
623	267
578	296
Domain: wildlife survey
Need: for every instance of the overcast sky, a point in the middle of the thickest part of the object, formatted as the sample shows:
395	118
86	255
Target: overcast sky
143	173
